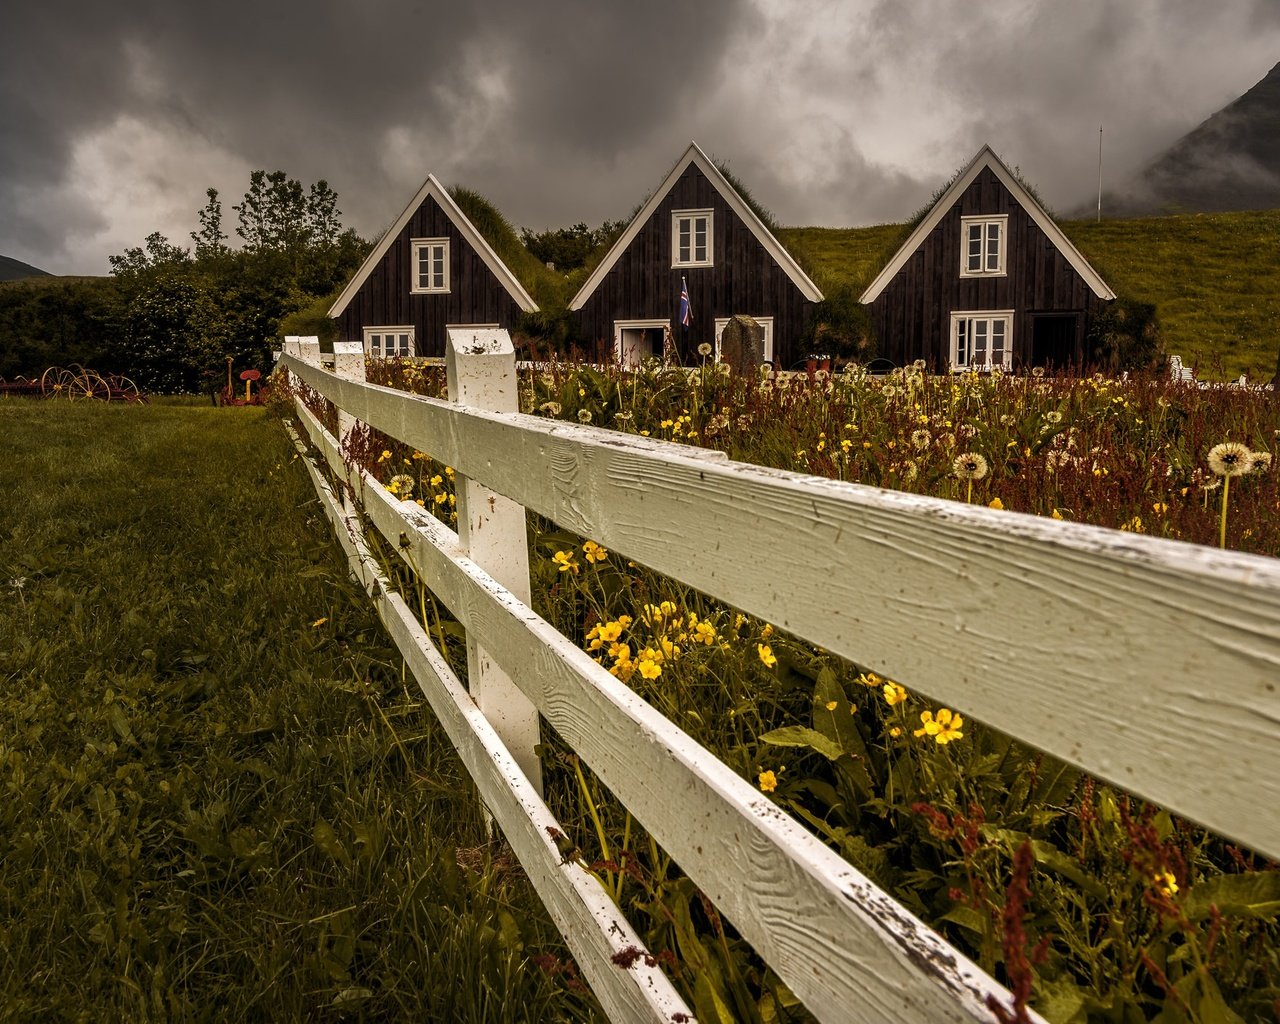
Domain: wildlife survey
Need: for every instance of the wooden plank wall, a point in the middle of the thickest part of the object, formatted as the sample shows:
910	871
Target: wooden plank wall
745	279
912	316
475	296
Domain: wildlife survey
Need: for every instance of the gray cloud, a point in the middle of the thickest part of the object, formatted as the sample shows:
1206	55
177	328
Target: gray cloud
113	120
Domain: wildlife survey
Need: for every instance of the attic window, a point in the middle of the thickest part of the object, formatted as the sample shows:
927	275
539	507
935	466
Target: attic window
982	246
430	267
691	238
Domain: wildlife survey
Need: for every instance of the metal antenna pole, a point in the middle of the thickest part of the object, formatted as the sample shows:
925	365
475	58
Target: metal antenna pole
1099	173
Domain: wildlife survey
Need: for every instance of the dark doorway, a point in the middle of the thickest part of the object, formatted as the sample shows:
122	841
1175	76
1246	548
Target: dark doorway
1054	340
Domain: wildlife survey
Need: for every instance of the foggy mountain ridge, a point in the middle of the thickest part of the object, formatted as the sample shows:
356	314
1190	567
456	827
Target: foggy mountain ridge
1230	162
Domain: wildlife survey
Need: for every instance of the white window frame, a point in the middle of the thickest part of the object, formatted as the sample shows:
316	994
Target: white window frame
405	341
962	322
764	321
693	216
437	285
629	360
986	267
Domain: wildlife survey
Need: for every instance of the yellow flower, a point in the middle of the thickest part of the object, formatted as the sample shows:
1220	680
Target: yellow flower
832	705
564	559
609	631
1165	882
766	655
318	623
896	731
1056	514
384	456
705	633
894	694
766	632
594	552
944	729
768	782
996	503
650	669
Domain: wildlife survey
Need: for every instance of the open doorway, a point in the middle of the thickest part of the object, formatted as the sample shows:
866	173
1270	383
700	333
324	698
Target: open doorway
1055	340
634	341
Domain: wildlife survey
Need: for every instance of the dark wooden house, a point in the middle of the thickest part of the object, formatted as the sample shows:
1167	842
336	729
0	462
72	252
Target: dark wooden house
695	231
431	270
986	279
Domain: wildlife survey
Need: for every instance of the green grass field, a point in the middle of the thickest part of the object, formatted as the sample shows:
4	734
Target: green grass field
221	801
1214	278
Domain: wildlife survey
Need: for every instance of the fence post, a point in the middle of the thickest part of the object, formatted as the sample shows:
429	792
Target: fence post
481	370
348	363
308	350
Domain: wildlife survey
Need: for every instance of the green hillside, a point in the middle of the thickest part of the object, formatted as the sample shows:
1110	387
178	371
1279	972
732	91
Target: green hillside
1214	278
16	270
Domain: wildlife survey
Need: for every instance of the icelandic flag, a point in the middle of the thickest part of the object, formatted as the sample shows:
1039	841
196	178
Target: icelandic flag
686	313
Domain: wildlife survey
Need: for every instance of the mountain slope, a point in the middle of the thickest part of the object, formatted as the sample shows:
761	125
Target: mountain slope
16	270
1230	162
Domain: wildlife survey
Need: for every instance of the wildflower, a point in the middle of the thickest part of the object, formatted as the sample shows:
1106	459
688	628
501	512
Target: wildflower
997	504
894	694
418	456
401	485
384	456
766	655
768	782
440	498
1261	461
766	632
650	669
1053	416
1231	458
920	439
704	349
550	408
1056	515
1165	882
594	552
970	466
1159	508
623	417
318	623
705	633
896	731
1037	371
1134	525
944	728
564	559
832	705
584	415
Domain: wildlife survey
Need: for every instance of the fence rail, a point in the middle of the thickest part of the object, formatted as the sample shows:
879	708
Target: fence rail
1108	650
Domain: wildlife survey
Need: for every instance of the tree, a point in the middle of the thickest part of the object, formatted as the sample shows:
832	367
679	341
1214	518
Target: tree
210	240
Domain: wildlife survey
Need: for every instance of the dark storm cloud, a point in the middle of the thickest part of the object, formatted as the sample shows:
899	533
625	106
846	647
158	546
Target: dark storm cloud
315	88
115	118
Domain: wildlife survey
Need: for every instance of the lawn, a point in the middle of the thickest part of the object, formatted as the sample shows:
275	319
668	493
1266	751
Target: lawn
222	801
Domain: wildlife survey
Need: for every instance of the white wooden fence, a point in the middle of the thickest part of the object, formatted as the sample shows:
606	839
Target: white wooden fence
1152	664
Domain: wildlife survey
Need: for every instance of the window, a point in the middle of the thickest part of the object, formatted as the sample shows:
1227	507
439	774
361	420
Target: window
980	341
387	342
691	238
764	321
430	272
982	246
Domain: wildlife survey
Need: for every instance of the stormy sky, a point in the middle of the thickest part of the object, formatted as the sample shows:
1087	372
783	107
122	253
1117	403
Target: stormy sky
114	118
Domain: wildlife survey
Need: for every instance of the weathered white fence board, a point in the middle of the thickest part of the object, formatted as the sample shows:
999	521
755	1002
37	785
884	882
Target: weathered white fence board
844	947
1153	664
591	923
